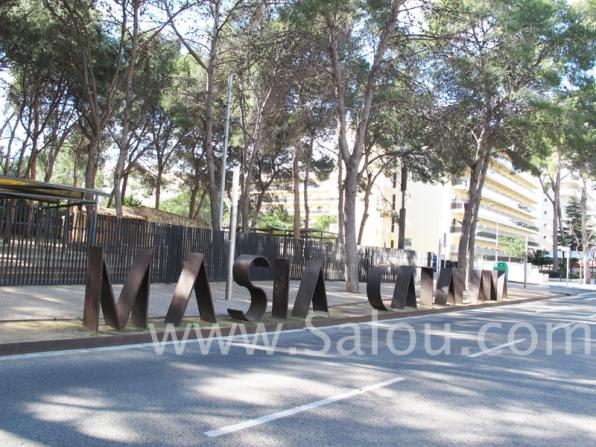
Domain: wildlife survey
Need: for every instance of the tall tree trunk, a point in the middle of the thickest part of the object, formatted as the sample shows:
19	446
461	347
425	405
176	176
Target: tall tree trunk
465	253
370	182
124	185
340	200
583	202
158	187
556	186
118	171
9	149
307	160
477	197
197	212
401	241
365	211
208	147
75	162
351	244
249	162
192	202
352	159
296	183
92	161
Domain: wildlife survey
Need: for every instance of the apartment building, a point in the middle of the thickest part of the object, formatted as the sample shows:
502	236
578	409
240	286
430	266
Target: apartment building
512	204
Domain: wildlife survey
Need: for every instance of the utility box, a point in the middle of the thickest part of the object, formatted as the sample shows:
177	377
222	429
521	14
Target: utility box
501	266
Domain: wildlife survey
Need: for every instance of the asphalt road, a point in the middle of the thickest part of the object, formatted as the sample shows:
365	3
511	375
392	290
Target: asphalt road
294	395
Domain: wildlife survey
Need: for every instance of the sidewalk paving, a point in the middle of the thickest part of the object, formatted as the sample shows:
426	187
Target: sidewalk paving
34	313
66	302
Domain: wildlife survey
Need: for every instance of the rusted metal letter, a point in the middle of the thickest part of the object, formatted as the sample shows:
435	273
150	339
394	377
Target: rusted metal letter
373	287
133	301
480	286
193	276
450	286
404	293
281	283
426	286
311	289
258	297
499	284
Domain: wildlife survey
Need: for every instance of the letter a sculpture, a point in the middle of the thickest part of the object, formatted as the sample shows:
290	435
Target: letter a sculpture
311	290
133	300
404	293
450	286
193	276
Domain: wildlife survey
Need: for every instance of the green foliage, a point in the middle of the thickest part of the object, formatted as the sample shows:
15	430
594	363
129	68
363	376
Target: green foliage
277	217
539	258
572	225
130	200
324	221
512	246
177	205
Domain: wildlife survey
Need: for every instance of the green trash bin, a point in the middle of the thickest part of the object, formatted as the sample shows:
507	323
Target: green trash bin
501	266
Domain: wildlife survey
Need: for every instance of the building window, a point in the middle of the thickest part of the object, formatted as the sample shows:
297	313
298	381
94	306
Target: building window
395	180
392	243
393	202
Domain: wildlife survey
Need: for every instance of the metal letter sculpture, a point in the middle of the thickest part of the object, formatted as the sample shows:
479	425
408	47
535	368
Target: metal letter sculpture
487	284
258	297
499	283
193	276
311	289
404	293
480	288
450	286
373	287
281	283
426	286
134	297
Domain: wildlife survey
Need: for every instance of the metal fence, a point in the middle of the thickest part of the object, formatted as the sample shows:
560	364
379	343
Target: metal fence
44	246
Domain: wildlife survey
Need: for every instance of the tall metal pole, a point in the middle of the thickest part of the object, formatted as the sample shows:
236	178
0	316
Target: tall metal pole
526	264
568	256
497	242
224	156
233	221
439	258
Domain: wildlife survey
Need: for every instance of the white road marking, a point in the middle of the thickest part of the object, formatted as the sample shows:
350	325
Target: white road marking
299	409
496	348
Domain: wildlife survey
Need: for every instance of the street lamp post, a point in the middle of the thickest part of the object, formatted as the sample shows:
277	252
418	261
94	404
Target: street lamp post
224	156
497	242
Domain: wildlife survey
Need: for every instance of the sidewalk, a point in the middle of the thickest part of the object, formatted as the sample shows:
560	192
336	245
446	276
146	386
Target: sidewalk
46	313
66	302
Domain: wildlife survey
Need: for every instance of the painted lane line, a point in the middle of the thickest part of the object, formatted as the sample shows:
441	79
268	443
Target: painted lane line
496	348
300	409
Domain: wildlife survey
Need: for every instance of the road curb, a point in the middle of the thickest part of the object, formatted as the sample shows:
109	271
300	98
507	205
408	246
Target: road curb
103	341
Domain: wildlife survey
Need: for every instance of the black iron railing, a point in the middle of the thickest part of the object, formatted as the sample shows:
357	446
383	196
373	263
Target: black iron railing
43	246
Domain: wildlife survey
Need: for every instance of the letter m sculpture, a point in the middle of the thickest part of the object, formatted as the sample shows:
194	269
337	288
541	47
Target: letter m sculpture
134	298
